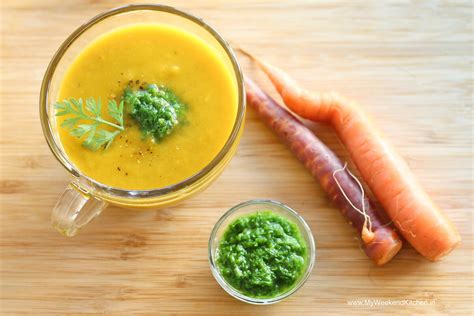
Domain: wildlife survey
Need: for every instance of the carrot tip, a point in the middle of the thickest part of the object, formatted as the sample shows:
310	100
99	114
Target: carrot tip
389	255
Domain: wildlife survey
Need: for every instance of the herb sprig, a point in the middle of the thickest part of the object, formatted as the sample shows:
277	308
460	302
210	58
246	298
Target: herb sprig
95	136
156	109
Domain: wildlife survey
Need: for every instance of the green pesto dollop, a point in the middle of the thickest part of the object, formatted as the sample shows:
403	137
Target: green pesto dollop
156	109
262	255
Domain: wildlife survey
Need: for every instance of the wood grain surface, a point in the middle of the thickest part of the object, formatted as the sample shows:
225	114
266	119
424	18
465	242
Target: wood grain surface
409	63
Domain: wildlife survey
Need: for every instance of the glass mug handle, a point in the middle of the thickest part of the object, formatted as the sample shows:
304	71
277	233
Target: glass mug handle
74	209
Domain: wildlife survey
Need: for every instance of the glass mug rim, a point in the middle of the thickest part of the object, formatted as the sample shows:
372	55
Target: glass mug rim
134	194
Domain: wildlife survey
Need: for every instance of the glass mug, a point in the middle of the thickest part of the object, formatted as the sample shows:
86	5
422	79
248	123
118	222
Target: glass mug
85	198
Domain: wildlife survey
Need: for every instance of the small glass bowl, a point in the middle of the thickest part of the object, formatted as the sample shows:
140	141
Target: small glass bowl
251	207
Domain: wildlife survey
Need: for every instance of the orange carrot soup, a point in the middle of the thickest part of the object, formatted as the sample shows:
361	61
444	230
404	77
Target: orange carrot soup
145	106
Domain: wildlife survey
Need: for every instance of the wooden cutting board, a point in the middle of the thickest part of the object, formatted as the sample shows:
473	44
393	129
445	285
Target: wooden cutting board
408	63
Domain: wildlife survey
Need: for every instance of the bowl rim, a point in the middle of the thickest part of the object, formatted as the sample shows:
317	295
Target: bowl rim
271	300
136	194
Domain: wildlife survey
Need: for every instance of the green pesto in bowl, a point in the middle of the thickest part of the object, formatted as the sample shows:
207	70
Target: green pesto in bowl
262	255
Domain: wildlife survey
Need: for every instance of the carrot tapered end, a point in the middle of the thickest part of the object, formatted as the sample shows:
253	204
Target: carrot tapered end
278	77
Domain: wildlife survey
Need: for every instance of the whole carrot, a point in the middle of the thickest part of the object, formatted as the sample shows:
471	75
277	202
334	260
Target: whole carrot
380	242
423	224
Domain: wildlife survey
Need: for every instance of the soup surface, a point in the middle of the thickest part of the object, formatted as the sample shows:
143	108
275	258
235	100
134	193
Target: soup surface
144	54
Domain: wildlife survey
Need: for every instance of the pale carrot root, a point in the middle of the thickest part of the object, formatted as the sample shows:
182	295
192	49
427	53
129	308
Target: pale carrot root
367	233
380	242
423	224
